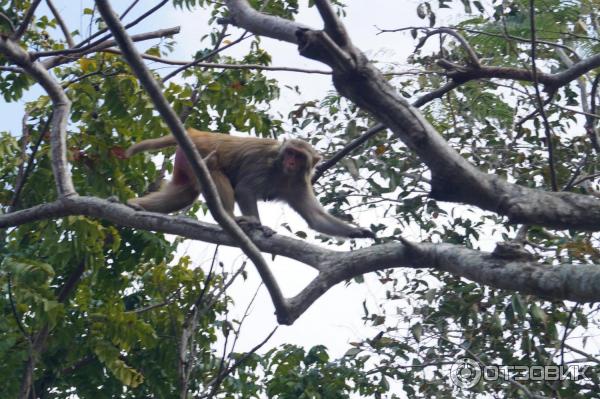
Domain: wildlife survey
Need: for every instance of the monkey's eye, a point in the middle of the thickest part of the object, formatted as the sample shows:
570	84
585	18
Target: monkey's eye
294	154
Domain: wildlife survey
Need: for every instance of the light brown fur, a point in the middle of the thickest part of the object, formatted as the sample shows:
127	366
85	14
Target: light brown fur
245	170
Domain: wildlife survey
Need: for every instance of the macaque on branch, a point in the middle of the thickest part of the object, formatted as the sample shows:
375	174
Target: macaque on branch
245	170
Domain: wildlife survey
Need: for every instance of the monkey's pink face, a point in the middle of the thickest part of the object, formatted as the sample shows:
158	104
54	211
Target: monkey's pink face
294	161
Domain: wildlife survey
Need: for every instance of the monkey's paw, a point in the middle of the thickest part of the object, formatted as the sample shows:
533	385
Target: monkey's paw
134	205
249	224
363	233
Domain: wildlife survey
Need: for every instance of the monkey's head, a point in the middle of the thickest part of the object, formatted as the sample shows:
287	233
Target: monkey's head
297	157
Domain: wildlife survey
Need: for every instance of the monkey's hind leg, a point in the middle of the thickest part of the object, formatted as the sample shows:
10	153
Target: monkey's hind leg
170	198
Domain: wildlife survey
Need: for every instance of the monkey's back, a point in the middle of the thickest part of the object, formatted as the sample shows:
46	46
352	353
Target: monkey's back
238	156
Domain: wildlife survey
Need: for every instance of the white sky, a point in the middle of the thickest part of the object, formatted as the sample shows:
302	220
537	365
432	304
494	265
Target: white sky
335	319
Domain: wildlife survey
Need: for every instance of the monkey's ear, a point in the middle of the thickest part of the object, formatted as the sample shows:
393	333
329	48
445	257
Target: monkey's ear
316	160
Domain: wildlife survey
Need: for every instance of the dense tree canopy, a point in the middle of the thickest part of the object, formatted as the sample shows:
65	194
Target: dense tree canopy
475	161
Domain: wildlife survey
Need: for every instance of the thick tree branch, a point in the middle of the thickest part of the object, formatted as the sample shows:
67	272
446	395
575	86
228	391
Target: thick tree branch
573	282
454	179
560	282
196	162
246	17
60	116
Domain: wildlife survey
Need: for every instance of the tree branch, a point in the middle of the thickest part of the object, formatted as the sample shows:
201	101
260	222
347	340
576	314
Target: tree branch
26	20
196	162
74	54
453	178
559	282
61	23
60	116
540	102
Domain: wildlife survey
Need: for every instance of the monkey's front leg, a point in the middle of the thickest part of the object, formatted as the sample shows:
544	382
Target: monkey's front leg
250	223
247	201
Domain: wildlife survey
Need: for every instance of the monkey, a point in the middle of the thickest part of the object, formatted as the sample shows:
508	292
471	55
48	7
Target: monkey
245	170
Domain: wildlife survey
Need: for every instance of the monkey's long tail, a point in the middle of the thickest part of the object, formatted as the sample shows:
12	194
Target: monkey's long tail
151	144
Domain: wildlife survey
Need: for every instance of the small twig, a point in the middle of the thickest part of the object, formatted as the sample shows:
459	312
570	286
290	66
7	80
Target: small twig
11	69
23	157
473	59
61	23
531	115
133	4
8	21
21	182
582	353
585	178
322	167
127	26
565	333
13	308
244	36
214	65
245	316
573	180
68	55
88	75
547	128
26	20
239	362
480	32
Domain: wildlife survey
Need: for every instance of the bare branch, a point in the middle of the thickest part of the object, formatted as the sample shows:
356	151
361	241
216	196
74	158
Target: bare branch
21	182
540	103
484	33
225	66
61	23
62	106
223	374
7	19
74	54
333	26
347	149
206	57
133	4
26	20
473	58
127	26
